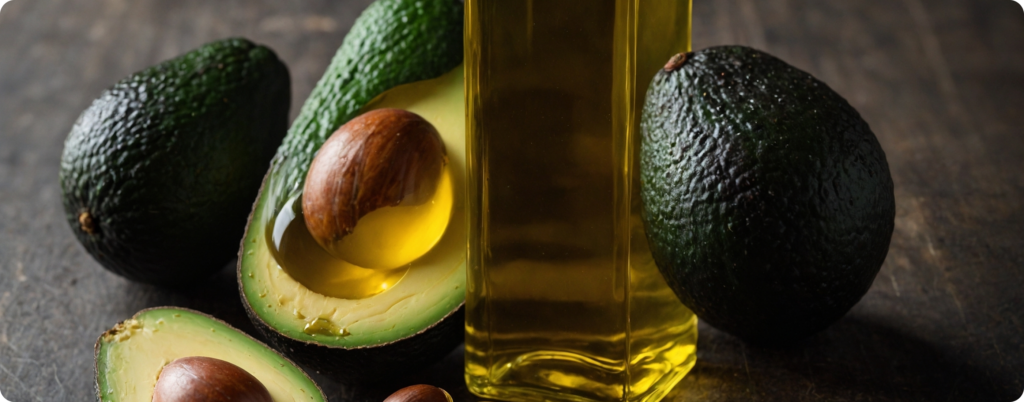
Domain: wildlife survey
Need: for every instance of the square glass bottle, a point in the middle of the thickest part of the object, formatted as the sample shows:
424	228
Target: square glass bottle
564	302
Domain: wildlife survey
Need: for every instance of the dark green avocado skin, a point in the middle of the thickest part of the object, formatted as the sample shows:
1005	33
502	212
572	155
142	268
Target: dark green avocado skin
375	365
768	202
168	160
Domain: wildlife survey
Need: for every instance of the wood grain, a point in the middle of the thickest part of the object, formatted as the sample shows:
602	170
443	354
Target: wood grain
940	82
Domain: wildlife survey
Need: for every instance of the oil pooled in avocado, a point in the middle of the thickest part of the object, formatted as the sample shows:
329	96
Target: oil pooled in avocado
393	237
304	260
321	326
564	302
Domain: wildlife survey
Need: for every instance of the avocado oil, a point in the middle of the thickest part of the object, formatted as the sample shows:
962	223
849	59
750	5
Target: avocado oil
564	302
387	220
298	254
420	318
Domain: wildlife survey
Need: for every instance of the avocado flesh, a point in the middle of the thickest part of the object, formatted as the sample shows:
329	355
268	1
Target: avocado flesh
129	357
430	291
393	43
768	202
165	164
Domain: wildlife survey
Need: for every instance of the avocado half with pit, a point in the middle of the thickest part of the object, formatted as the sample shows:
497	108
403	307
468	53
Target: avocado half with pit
403	54
130	356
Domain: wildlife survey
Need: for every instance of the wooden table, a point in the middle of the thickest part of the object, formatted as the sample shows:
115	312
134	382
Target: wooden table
941	83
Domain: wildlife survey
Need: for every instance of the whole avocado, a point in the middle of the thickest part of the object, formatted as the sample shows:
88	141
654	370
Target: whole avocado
158	174
768	202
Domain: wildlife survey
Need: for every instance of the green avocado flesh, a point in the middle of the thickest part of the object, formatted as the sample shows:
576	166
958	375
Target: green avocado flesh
130	356
768	202
402	54
427	293
158	173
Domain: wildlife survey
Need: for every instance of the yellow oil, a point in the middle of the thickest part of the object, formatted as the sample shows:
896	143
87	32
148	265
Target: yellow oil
564	302
370	260
322	326
439	224
302	258
393	237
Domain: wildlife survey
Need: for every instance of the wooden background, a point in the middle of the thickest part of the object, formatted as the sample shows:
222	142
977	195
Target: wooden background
941	82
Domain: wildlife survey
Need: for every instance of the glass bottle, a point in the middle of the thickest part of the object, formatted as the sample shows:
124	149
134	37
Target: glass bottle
564	302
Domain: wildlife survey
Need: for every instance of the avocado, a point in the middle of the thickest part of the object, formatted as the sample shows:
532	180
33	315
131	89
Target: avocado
158	173
403	54
130	356
768	202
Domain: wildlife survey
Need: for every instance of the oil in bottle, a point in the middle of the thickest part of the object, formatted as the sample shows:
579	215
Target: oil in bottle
564	302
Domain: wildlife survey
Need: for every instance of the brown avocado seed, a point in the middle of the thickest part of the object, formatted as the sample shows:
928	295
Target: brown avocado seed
205	379
420	393
382	158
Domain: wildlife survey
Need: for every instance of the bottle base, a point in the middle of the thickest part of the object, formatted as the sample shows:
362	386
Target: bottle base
546	382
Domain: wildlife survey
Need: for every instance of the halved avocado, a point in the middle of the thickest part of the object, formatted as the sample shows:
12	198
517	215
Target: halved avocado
413	64
130	356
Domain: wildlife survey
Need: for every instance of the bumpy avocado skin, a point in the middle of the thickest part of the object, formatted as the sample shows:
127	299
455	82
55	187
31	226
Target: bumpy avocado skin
768	202
167	161
393	42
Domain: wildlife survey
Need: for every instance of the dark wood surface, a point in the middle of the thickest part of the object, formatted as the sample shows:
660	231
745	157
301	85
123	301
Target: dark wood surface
941	82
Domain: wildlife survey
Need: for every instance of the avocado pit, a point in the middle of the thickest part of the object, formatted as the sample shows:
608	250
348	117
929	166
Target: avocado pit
205	379
420	393
378	193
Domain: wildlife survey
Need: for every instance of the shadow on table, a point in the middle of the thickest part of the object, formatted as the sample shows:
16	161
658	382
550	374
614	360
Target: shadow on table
217	296
856	359
446	374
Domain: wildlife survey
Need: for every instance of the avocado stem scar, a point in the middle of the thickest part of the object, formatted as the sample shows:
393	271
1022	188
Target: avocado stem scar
675	62
86	222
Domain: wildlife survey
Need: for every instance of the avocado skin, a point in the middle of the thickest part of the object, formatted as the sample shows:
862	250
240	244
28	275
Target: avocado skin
168	160
393	42
768	202
377	364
